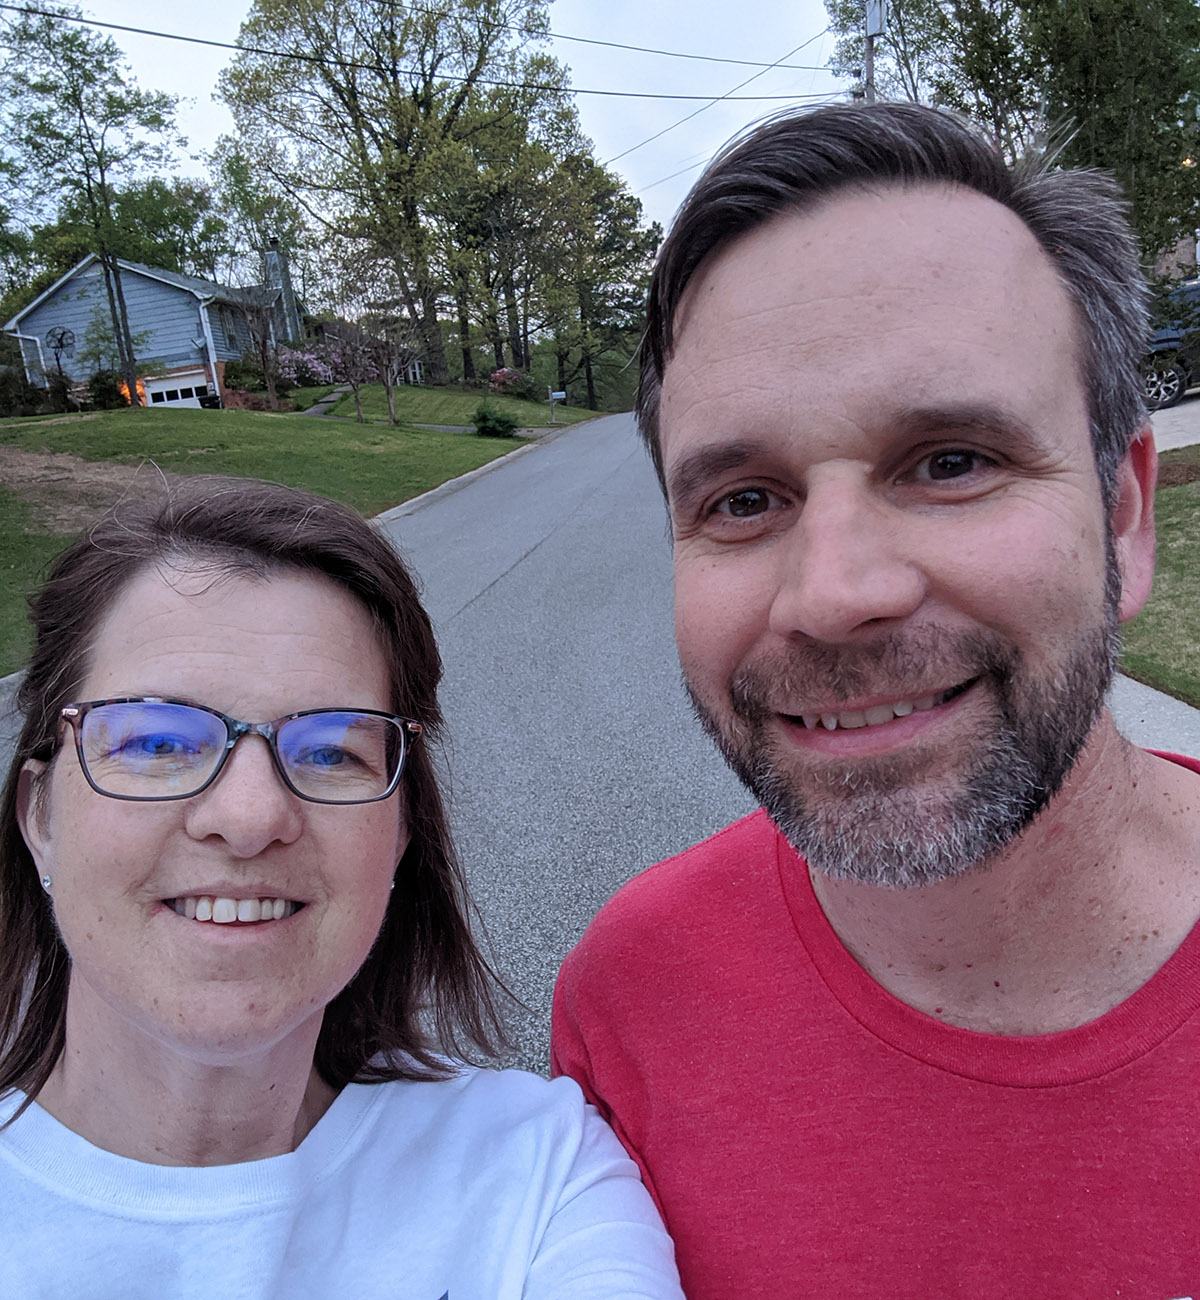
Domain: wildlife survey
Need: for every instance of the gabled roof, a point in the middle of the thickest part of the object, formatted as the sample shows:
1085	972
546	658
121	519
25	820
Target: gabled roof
251	295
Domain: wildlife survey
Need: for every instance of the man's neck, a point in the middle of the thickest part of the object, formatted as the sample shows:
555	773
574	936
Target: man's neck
1070	920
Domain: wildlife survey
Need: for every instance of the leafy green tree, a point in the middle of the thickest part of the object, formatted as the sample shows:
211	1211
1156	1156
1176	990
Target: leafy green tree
1109	83
604	254
356	131
969	55
1126	75
79	128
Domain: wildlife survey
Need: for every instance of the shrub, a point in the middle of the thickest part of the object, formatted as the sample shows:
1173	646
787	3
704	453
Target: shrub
491	423
106	390
246	373
238	399
512	383
305	367
17	395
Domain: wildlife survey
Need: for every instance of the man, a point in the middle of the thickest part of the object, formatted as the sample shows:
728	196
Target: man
929	1024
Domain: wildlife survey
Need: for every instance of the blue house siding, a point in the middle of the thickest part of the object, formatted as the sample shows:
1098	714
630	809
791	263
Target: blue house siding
165	322
178	322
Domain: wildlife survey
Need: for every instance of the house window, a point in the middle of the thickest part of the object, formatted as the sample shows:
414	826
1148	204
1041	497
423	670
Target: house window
185	392
158	397
201	390
172	394
229	325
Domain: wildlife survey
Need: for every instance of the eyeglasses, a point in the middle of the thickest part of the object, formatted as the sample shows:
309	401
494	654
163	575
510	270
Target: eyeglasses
156	749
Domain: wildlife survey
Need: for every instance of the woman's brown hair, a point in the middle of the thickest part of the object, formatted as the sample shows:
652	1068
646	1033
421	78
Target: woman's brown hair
425	992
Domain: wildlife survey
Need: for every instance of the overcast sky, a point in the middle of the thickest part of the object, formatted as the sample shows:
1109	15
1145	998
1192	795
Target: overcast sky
759	30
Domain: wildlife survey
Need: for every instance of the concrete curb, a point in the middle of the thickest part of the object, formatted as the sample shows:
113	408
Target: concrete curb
413	504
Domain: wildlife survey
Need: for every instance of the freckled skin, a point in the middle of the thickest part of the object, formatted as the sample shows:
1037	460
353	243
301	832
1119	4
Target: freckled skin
874	425
173	995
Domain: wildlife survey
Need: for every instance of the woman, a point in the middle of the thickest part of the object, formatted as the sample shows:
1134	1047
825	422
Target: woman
228	905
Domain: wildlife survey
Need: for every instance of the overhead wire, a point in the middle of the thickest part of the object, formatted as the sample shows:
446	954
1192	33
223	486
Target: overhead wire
638	49
354	65
729	96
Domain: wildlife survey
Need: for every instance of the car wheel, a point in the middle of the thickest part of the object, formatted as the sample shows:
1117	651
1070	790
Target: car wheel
1166	382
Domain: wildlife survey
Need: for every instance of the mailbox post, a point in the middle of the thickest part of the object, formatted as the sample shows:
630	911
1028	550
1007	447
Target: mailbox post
555	397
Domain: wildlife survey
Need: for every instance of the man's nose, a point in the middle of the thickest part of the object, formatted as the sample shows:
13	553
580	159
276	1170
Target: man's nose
846	568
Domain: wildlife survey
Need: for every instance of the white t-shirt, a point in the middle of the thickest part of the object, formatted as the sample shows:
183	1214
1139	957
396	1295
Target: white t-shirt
488	1186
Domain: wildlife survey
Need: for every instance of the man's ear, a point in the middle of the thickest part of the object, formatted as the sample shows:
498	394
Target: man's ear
1132	523
31	808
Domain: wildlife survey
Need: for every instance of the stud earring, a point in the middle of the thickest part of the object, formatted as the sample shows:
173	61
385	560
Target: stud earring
46	883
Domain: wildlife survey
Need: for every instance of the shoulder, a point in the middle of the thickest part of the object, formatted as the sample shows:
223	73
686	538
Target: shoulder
475	1101
535	1128
705	885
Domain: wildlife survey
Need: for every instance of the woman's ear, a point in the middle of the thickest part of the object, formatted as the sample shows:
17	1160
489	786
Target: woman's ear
1132	523
31	808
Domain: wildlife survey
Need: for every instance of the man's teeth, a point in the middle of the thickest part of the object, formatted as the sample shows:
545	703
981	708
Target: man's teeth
876	716
224	911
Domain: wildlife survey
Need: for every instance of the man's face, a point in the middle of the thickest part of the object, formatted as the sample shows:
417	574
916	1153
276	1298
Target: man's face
895	592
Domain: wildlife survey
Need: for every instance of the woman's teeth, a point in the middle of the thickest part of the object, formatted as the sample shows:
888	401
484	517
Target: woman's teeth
880	714
224	911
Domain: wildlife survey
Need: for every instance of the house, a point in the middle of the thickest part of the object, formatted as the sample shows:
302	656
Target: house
185	329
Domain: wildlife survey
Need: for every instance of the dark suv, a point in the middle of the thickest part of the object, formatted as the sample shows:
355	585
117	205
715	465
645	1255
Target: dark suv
1172	365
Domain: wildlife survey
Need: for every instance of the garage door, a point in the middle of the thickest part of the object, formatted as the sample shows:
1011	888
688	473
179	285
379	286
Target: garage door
178	390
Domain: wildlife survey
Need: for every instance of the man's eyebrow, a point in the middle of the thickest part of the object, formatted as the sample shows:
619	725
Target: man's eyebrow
969	418
697	469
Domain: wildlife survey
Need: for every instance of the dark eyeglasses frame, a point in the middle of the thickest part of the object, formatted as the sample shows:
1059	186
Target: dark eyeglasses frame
74	714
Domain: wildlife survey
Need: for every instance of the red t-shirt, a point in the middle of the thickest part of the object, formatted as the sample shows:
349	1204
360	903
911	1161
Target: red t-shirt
807	1134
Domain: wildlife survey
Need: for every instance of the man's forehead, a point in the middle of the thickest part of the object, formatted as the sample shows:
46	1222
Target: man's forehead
853	235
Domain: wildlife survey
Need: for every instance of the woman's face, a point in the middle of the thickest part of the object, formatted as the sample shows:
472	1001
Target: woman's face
144	974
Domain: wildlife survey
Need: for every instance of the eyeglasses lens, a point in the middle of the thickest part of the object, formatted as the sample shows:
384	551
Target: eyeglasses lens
151	750
156	750
340	757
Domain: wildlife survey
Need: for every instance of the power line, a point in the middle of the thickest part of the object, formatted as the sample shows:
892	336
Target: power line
728	96
353	65
640	49
662	180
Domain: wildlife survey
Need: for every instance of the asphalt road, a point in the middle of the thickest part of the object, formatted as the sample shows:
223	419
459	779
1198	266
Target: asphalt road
573	760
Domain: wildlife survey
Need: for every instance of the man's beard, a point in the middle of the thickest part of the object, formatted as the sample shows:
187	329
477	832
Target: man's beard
880	820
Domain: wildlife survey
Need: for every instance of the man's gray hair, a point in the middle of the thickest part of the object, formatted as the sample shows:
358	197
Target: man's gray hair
791	162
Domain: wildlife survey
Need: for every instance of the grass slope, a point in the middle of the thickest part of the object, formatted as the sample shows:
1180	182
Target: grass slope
369	467
1161	643
420	405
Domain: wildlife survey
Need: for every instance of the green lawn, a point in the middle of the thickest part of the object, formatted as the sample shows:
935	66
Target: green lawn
422	405
24	553
1161	643
302	398
370	467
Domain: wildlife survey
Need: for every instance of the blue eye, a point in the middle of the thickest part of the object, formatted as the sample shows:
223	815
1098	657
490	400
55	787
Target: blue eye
157	745
321	756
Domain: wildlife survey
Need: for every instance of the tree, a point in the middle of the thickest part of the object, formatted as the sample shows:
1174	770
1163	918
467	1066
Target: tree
1113	84
604	255
357	131
78	128
1126	74
969	55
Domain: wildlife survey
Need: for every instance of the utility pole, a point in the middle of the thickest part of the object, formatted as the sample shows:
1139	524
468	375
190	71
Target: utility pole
876	26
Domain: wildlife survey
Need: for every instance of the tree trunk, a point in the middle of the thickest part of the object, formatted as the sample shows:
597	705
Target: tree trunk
131	377
126	362
513	318
590	378
389	384
356	385
431	332
464	332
